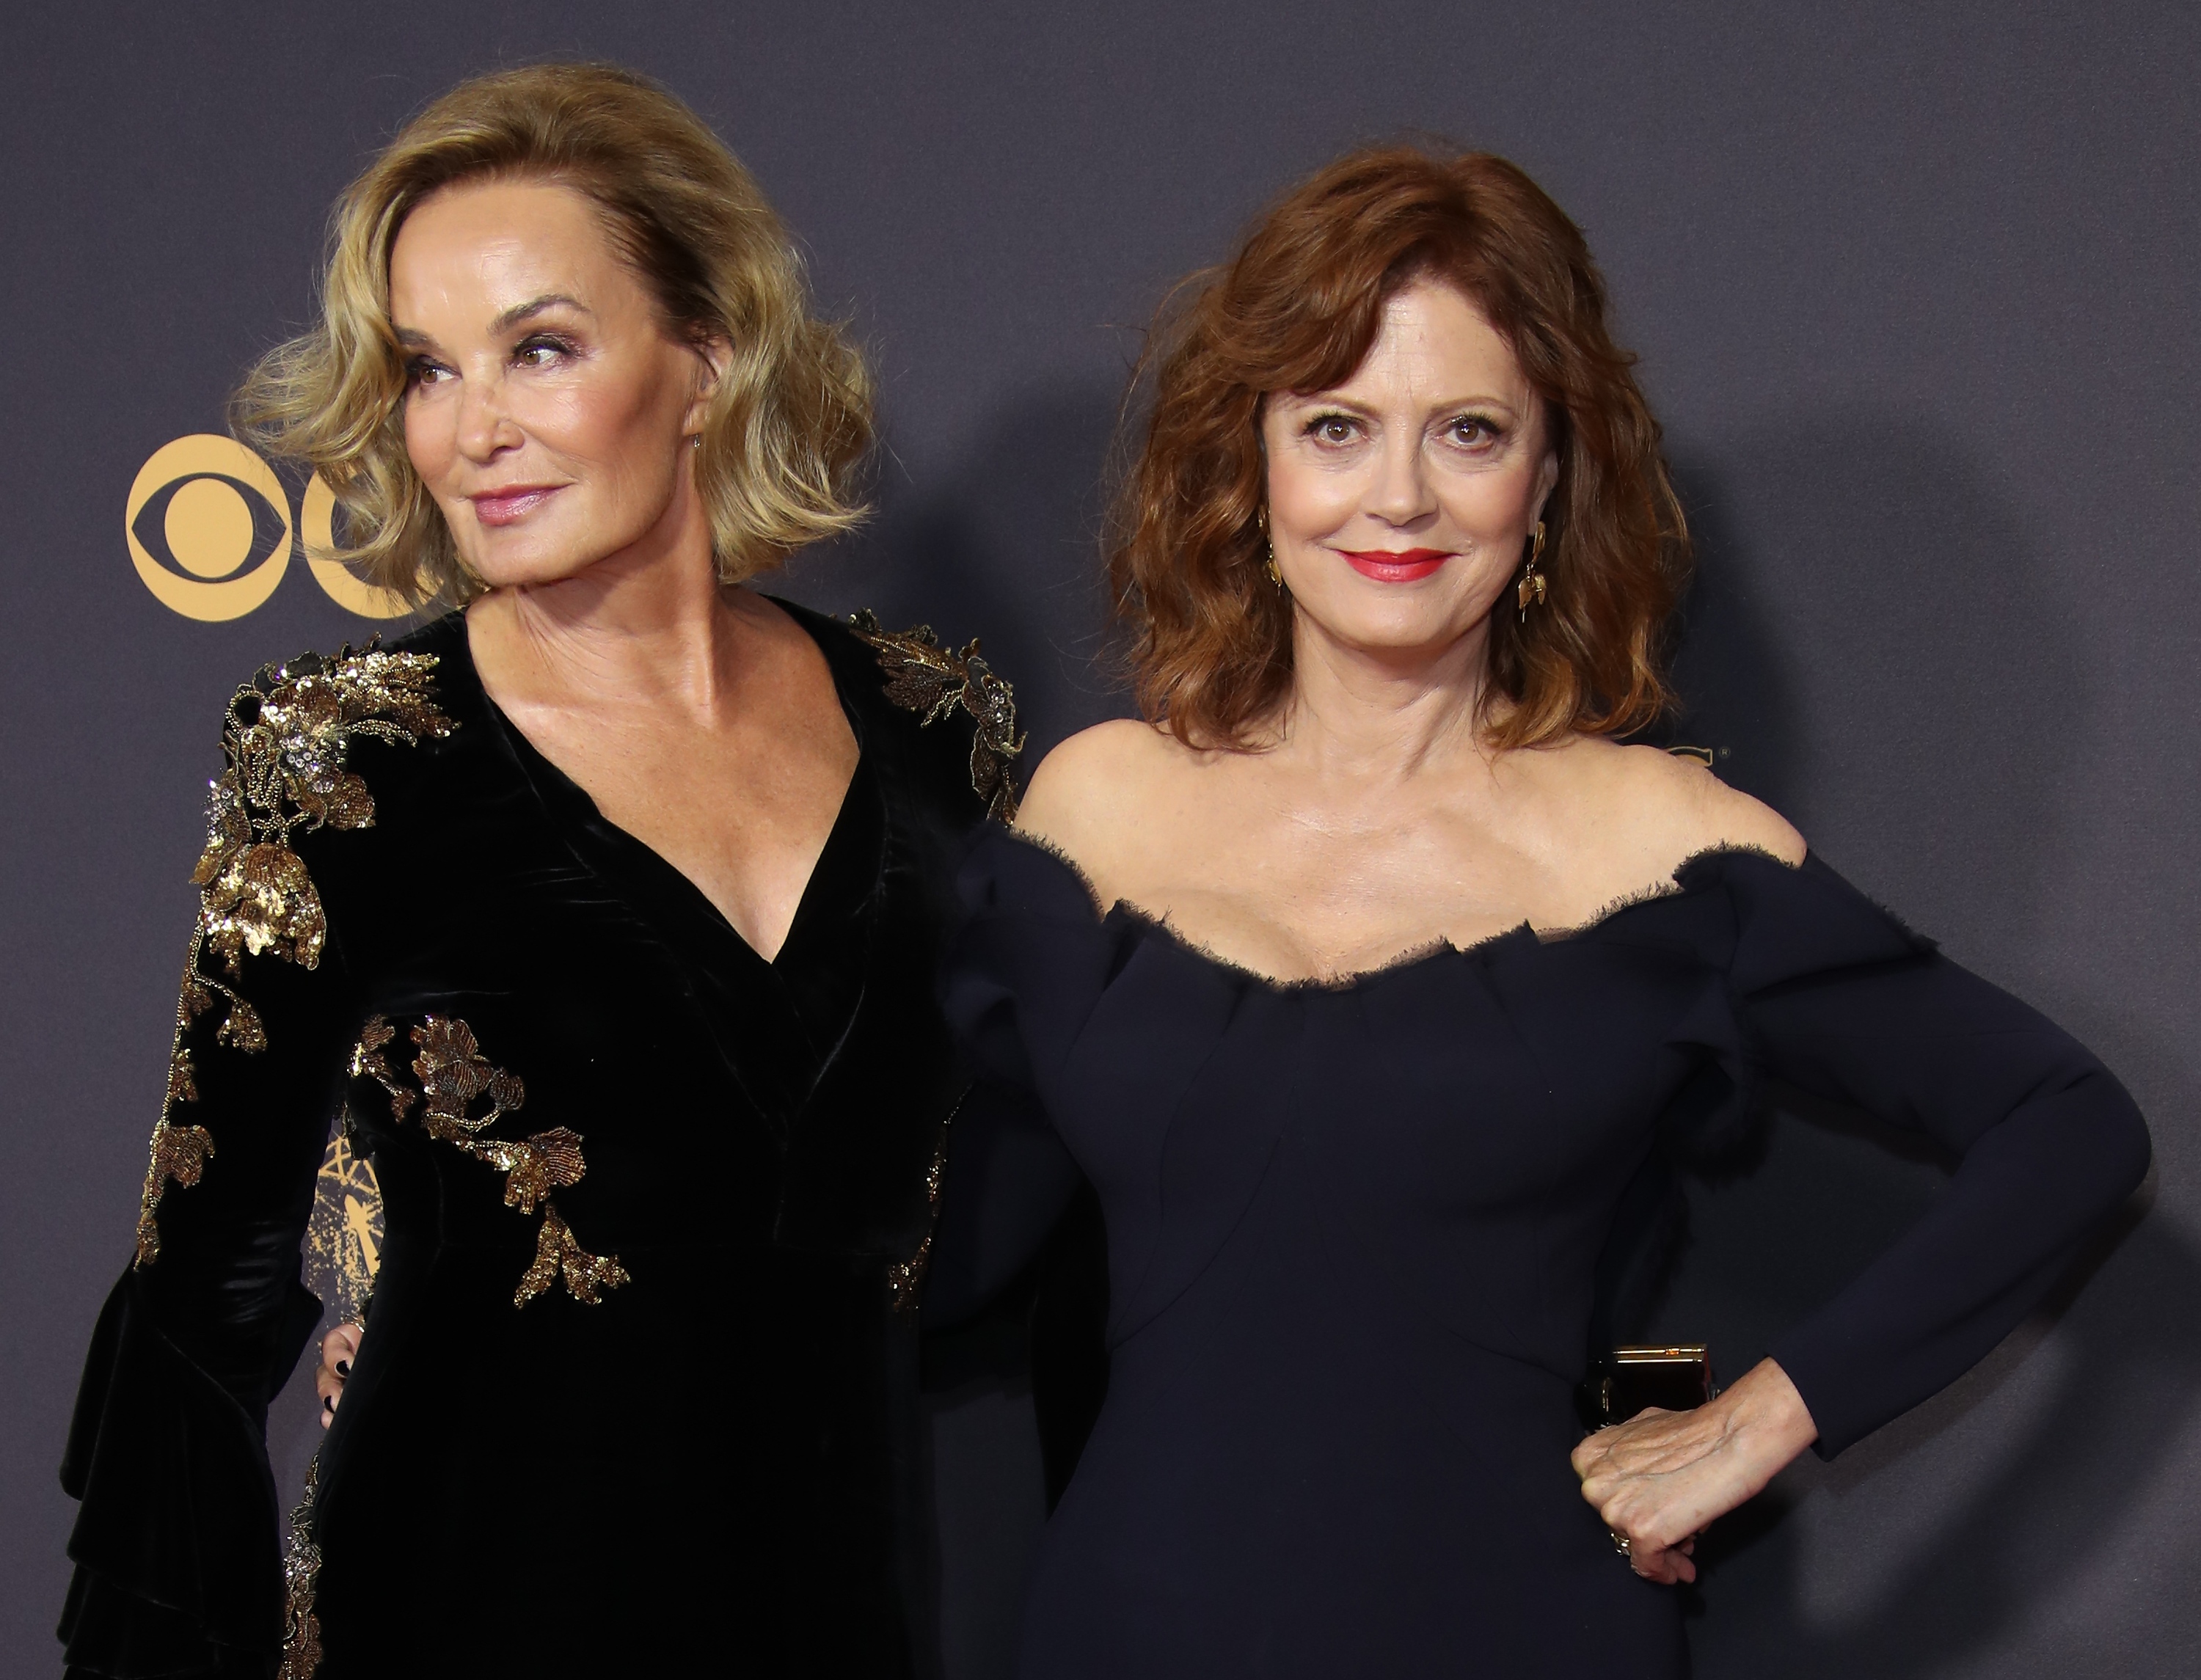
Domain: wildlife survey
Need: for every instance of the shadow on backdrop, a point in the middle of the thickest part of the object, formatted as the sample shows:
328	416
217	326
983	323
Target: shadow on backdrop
1005	545
1870	648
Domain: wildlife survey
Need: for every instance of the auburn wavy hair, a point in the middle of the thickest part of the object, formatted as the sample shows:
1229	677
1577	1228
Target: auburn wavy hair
792	418
1298	309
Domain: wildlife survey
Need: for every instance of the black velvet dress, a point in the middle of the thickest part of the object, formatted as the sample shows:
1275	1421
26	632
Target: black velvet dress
636	1393
1352	1233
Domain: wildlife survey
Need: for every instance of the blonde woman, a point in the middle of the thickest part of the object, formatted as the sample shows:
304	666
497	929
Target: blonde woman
603	910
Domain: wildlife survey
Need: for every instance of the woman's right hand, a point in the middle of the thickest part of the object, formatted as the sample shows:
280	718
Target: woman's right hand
338	1349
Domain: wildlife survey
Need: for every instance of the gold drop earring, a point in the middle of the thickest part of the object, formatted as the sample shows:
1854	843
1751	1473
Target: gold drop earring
1269	545
1531	587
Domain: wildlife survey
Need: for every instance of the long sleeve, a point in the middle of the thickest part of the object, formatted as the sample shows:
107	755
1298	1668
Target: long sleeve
1008	1177
1831	996
1007	1183
175	1544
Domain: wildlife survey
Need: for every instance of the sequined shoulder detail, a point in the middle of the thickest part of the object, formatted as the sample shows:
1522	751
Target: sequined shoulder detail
461	1095
926	678
286	738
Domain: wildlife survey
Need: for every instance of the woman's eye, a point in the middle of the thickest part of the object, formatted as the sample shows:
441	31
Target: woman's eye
541	352
419	373
1472	431
1331	429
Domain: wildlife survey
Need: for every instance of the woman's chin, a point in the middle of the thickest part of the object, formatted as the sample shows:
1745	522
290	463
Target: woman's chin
1396	629
515	566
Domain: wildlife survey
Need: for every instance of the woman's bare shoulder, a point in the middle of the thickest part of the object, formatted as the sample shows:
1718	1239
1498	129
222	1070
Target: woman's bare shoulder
1092	775
1087	792
1670	805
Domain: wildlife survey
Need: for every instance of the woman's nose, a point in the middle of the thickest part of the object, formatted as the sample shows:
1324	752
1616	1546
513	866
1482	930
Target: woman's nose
485	427
1400	494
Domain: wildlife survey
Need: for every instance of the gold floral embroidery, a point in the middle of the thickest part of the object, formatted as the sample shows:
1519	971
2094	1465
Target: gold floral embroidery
344	1238
302	1572
906	1278
926	677
454	1078
286	738
367	1063
532	1169
180	1152
453	1072
587	1275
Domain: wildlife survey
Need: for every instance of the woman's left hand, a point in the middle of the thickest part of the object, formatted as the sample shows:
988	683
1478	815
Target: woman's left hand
1659	1479
339	1348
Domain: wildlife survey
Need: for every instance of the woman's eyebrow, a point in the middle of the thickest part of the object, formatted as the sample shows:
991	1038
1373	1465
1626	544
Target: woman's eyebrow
535	306
413	338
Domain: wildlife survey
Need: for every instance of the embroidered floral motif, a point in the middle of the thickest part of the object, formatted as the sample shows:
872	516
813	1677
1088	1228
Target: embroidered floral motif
587	1275
454	1078
286	738
179	1157
924	677
906	1278
367	1063
453	1072
547	1161
302	1572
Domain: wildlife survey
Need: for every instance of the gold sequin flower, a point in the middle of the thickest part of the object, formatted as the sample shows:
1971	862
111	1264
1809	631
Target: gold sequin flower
454	1078
286	739
926	678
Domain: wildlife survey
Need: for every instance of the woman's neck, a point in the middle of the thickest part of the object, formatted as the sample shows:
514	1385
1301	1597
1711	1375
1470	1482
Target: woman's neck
651	624
1384	714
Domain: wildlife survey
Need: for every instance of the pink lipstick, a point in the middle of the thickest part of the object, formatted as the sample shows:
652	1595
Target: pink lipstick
1387	568
509	506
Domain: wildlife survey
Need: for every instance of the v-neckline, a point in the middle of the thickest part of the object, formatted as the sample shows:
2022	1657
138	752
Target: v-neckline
559	788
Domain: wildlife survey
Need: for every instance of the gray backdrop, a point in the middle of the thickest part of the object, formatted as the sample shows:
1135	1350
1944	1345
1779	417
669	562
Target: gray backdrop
1913	289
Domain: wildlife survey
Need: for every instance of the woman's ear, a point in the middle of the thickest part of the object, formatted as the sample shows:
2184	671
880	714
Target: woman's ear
712	357
1547	478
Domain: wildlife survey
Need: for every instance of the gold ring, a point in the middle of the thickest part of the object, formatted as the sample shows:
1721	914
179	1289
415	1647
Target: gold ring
1620	1544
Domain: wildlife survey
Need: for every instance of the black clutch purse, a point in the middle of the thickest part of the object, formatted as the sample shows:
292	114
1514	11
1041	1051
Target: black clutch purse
1627	1380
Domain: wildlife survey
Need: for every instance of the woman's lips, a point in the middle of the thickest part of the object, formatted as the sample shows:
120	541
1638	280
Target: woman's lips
1388	567
504	507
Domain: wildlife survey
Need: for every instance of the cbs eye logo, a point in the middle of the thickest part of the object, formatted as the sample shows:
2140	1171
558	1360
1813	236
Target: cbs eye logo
208	525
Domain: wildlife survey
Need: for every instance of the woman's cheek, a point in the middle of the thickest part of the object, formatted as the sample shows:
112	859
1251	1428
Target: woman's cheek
1310	502
428	442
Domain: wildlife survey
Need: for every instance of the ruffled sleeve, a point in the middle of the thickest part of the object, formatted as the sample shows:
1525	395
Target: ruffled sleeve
175	1542
175	1545
1021	978
1831	995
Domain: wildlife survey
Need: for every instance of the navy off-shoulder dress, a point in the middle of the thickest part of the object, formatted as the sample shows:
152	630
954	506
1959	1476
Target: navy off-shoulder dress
1352	1230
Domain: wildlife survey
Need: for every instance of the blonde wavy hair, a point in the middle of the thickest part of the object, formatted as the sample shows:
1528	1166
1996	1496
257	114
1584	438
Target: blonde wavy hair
792	418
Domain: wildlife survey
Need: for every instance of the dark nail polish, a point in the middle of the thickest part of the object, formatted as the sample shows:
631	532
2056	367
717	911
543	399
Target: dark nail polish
344	1367
328	1403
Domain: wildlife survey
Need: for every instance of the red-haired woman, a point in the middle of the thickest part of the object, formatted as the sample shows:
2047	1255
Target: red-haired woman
1364	974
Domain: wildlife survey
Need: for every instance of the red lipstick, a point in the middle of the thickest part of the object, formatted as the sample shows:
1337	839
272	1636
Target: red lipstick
1387	568
510	505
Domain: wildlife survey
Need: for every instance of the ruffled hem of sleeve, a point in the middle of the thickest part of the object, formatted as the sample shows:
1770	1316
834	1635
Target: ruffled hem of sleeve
177	1567
1805	922
1031	960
